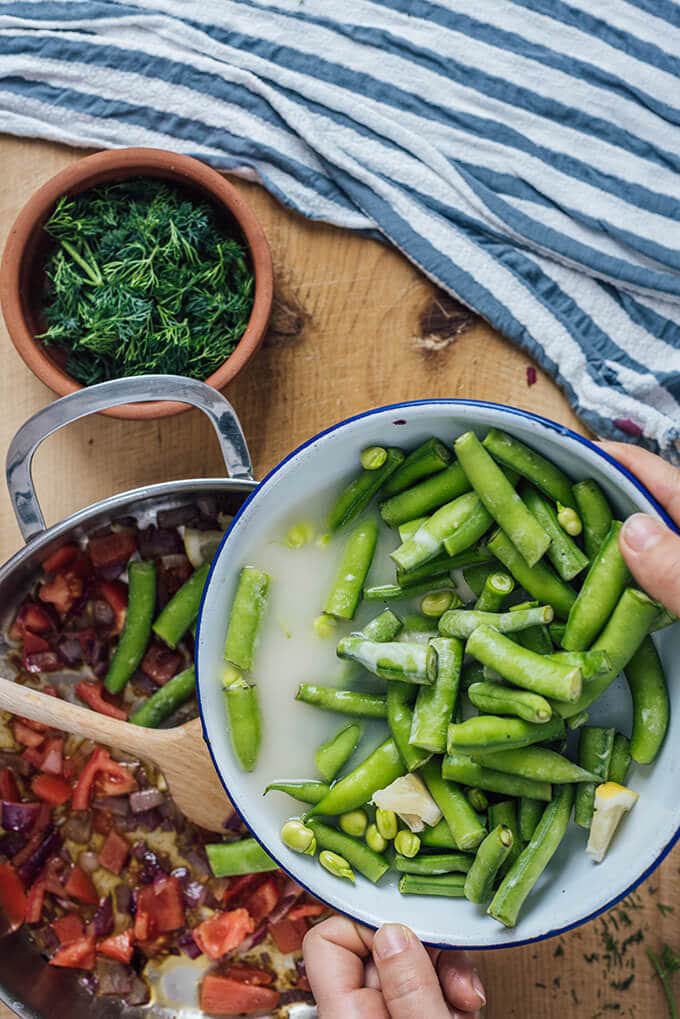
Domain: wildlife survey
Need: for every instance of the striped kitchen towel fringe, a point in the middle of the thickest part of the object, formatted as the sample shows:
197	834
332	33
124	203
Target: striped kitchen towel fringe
525	154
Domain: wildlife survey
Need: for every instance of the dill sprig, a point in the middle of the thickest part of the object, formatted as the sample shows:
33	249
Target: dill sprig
143	279
665	967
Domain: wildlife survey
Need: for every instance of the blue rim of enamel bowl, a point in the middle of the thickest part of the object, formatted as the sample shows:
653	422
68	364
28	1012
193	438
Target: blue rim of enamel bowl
400	408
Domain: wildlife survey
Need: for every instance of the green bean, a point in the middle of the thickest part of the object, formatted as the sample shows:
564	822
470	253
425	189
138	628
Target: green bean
246	615
449	885
590	663
231	859
501	499
576	721
594	753
356	497
408	529
462	522
419	627
161	704
399	719
536	639
497	587
651	705
355	562
443	565
245	722
536	763
478	799
345	702
373	457
382	628
531	465
556	631
463	622
472	672
505	812
537	673
434	865
530	812
603	586
137	630
563	553
336	751
487	732
475	575
394	592
306	792
401	661
438	837
377	771
491	855
665	618
451	800
595	512
431	457
460	767
435	704
372	865
539	580
620	760
625	630
493	699
534	858
182	609
426	496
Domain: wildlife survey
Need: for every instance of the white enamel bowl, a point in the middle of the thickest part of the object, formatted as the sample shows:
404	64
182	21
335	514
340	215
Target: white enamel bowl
573	889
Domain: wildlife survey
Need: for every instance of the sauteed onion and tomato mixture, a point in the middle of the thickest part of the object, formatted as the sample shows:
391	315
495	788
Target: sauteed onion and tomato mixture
95	859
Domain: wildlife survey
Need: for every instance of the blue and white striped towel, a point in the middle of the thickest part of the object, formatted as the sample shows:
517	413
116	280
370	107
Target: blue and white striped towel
524	153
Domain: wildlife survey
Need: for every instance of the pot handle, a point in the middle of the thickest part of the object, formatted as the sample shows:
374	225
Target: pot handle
91	400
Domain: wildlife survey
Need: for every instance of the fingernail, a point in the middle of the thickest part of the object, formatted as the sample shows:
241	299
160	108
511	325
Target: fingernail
390	940
479	989
640	532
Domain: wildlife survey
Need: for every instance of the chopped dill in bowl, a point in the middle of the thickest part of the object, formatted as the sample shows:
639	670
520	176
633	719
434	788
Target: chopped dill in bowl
143	279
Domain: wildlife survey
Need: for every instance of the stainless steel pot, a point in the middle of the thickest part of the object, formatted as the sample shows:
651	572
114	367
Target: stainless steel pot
27	984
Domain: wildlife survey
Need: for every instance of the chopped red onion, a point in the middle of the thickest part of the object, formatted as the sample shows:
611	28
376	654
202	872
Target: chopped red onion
234	823
283	906
139	994
145	799
256	938
12	843
198	861
19	816
119	806
176	516
143	684
111	572
114	977
102	921
186	943
89	982
51	842
195	894
153	542
102	613
181	873
70	650
149	820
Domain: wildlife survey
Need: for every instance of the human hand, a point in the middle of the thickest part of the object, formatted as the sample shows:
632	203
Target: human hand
356	973
652	550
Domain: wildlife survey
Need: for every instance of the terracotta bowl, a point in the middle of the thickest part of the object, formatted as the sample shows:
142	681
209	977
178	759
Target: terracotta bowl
22	270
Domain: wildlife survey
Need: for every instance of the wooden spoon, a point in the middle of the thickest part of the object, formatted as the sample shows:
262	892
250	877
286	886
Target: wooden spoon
180	753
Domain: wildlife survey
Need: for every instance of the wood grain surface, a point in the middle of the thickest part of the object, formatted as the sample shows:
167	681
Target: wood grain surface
355	326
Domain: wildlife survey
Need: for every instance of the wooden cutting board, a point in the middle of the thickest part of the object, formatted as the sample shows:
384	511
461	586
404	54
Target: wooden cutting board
354	326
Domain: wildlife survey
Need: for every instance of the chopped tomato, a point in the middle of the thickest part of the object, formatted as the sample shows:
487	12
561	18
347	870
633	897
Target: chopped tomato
309	909
114	852
160	908
114	779
223	932
32	724
80	886
160	664
53	758
35	901
119	946
238	886
33	757
68	928
116	594
77	955
250	975
33	618
9	790
62	591
60	559
93	695
288	935
34	644
51	789
12	895
263	900
26	735
111	549
224	996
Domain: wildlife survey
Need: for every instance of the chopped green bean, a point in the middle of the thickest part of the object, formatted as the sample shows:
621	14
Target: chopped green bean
486	732
336	751
463	622
563	553
394	592
497	587
443	564
478	799
354	499
384	627
377	771
231	859
451	800
537	673
161	704
305	792
530	811
408	529
245	722
651	704
603	586
539	580
476	574
505	812
508	450
426	496
431	457
182	609
493	699
355	562
400	719
594	753
536	763
464	517
435	704
246	615
595	512
460	767
434	864
401	661
450	885
491	855
345	702
357	853
137	630
438	836
620	760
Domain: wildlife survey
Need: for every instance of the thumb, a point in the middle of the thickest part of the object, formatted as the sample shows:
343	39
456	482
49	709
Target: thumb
652	554
407	977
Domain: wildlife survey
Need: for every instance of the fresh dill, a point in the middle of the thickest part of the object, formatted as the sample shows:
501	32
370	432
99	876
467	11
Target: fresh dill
665	967
143	279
